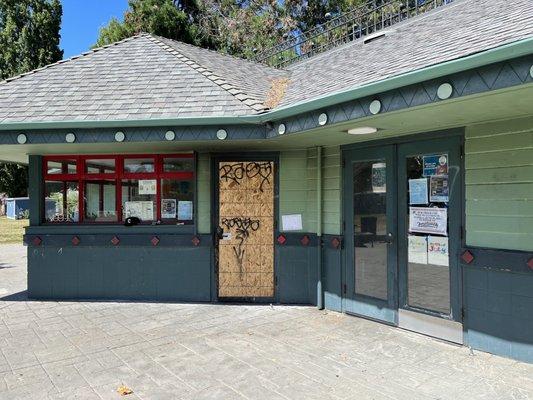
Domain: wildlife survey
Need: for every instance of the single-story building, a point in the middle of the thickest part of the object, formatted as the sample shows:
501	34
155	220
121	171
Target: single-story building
390	176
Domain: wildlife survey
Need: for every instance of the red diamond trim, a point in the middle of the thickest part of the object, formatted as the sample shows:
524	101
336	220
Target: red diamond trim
37	241
530	263
335	242
115	240
155	240
76	240
282	239
467	257
305	240
195	240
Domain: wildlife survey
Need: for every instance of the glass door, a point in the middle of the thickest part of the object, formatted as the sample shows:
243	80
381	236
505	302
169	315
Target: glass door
370	224
429	232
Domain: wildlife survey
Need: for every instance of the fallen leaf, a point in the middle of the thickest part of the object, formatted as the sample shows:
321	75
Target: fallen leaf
124	390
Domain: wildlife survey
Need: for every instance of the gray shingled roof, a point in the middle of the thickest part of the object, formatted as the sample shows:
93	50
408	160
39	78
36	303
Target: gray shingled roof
147	77
137	78
456	30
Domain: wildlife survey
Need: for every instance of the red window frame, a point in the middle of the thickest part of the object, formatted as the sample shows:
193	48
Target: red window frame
81	176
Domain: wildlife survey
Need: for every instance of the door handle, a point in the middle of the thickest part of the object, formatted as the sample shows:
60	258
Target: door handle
219	234
390	237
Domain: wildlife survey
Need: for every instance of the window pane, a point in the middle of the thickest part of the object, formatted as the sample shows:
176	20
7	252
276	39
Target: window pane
61	201
370	228
61	167
100	201
428	276
100	166
177	198
138	200
139	165
172	164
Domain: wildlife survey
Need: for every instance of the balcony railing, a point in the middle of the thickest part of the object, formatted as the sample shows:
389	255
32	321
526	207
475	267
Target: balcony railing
361	22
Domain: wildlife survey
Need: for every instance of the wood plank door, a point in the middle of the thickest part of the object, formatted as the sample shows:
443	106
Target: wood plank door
246	230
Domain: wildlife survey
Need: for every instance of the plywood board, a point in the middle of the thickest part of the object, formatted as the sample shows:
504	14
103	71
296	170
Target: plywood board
246	214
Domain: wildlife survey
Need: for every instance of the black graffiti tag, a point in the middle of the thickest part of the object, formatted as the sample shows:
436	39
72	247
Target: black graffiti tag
243	227
238	171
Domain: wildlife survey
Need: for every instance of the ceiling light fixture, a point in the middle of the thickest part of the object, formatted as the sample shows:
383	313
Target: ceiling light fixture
363	130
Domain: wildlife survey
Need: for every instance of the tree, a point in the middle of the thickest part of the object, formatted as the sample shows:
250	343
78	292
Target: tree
167	18
29	39
14	180
29	35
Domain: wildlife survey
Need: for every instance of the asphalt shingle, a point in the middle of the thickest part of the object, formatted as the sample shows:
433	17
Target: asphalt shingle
151	77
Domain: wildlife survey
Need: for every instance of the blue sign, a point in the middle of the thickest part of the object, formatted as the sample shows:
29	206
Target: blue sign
418	191
435	164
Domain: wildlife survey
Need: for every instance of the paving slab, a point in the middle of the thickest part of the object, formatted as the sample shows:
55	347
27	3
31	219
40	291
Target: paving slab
87	349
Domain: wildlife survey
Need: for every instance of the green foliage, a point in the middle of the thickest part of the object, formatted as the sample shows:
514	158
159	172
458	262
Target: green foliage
14	180
29	39
29	35
160	17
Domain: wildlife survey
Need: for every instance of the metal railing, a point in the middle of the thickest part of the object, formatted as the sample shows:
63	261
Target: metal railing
363	21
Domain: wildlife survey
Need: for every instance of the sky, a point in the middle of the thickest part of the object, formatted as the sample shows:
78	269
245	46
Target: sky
82	21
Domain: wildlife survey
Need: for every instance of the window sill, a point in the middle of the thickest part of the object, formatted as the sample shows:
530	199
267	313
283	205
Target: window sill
108	229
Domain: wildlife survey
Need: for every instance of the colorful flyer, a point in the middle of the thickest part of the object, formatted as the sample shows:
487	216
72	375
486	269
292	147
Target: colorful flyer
418	191
435	164
147	186
417	249
184	210
168	208
431	220
438	189
438	250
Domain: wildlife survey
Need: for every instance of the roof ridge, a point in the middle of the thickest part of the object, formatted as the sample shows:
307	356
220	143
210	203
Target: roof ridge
251	102
84	54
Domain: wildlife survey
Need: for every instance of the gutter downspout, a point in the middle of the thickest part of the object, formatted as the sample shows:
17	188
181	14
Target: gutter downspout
319	289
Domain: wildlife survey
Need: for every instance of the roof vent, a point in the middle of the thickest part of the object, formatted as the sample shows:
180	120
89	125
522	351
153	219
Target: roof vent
375	36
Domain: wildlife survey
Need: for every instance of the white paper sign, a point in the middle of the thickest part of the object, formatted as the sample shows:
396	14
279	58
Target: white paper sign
168	208
438	250
147	186
292	222
144	210
418	249
428	220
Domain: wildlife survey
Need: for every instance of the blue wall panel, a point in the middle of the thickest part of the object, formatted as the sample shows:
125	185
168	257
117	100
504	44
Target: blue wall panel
297	274
129	273
499	312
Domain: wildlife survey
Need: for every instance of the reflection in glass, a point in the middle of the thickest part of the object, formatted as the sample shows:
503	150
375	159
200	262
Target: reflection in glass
100	166
63	166
142	206
428	285
370	228
100	205
173	164
61	201
139	165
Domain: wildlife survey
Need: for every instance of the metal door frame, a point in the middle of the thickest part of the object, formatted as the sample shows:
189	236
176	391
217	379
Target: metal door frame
456	134
216	158
366	306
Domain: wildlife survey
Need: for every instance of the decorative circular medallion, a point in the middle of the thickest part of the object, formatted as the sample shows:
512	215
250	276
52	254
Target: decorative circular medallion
70	138
222	134
322	119
21	138
282	129
375	107
444	91
120	136
170	135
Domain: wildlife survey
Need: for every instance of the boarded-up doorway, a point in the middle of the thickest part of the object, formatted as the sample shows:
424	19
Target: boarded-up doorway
246	230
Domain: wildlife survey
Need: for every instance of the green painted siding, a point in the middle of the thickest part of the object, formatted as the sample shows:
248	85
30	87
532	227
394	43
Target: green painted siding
297	186
499	185
204	193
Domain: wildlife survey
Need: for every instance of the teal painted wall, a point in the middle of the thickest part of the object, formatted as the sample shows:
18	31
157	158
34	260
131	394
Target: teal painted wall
499	185
297	187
